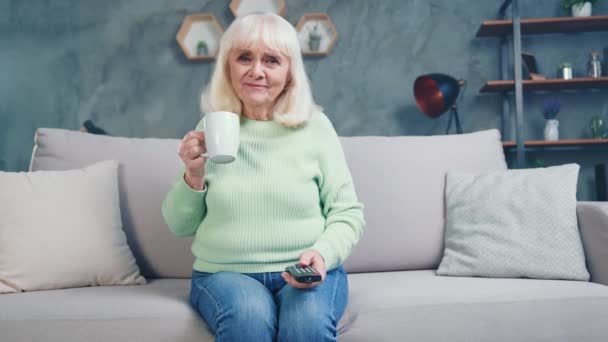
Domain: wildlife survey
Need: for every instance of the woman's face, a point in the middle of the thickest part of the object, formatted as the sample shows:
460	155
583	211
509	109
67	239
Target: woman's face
258	75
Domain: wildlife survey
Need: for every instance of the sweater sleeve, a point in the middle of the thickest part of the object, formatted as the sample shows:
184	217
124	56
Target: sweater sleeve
343	213
184	208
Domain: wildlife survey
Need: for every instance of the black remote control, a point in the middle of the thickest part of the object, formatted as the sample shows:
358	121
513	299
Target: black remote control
304	274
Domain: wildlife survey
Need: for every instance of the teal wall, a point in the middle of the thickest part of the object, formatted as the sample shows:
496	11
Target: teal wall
117	62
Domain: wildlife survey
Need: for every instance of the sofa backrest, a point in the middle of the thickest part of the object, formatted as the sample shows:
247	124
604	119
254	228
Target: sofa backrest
399	180
147	167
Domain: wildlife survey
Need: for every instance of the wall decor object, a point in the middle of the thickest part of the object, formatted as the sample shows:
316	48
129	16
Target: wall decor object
199	36
594	65
243	7
564	71
551	108
579	8
530	66
202	49
317	34
436	94
598	127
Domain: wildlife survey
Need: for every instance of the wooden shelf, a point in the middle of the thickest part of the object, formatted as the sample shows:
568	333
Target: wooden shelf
563	142
497	28
548	84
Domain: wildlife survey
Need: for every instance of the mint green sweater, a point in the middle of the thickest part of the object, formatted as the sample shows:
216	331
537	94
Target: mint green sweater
289	189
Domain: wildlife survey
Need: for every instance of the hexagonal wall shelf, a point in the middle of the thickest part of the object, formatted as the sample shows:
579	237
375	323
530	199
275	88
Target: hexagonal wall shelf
243	7
317	34
199	36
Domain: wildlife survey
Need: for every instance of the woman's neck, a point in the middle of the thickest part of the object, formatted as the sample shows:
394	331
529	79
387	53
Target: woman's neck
258	113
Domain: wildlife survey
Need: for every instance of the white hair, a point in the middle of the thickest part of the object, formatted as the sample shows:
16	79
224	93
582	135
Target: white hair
295	104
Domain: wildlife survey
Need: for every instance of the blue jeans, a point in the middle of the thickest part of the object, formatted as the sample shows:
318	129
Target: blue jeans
262	307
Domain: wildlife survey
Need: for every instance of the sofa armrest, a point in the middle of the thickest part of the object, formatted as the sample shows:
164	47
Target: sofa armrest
593	225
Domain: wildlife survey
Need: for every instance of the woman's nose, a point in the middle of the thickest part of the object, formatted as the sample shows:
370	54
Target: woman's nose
256	70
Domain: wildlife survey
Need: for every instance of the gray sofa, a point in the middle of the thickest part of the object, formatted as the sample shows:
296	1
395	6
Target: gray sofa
394	292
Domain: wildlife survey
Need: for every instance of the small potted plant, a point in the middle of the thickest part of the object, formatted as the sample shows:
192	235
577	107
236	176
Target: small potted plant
597	127
551	108
564	70
202	49
579	8
314	38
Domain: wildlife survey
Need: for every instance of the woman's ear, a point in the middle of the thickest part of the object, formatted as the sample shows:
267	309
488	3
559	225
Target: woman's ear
289	80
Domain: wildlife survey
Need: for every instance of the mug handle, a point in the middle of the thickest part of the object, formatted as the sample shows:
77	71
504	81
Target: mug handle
206	154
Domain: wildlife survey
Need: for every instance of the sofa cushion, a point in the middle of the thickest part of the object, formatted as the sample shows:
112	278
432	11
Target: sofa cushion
157	311
61	229
383	306
400	181
146	169
420	306
515	223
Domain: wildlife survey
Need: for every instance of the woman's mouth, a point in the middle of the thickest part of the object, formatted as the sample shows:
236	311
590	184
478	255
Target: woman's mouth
256	86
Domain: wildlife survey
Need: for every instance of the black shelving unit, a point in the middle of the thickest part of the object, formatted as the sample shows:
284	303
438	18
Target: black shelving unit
515	28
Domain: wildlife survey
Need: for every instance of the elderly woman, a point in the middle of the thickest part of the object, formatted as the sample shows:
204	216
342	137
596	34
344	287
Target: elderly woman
287	199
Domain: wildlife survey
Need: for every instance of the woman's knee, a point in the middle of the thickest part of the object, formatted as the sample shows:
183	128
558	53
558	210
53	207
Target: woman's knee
232	302
313	315
251	309
312	321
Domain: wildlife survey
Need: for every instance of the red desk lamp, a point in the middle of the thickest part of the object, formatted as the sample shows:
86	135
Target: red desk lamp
435	94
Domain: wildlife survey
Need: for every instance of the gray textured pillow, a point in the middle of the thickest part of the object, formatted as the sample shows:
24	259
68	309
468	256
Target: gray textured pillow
515	223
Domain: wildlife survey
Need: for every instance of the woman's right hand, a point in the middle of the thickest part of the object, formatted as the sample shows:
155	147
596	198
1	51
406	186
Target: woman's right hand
190	152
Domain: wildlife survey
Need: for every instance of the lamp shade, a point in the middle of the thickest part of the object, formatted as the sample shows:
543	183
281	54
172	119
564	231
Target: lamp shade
435	93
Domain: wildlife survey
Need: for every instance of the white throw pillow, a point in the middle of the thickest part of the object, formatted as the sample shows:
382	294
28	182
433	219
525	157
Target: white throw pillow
61	229
515	223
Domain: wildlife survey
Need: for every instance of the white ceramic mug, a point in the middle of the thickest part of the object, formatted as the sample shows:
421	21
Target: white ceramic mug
222	136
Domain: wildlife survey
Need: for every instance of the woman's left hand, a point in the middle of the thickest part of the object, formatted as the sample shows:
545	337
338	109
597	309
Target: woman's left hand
311	258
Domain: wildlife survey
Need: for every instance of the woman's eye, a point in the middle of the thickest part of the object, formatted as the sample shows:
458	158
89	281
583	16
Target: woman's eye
243	58
273	60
